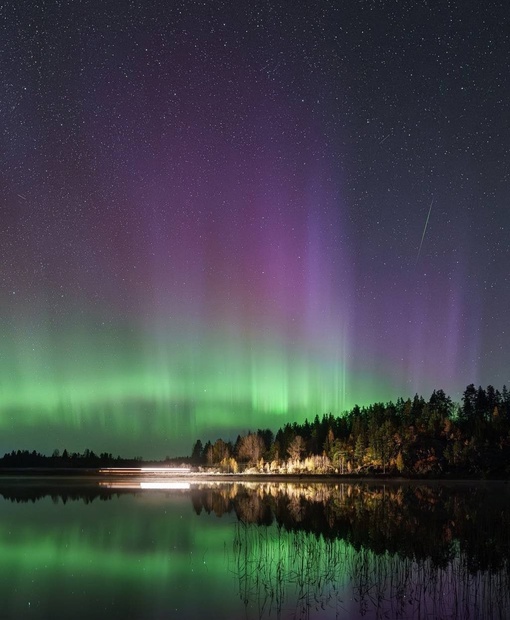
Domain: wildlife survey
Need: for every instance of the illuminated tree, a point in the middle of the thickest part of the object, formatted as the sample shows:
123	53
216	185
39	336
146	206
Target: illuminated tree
220	451
250	448
296	448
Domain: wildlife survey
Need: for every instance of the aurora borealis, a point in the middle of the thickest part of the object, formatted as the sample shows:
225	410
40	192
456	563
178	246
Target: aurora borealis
218	217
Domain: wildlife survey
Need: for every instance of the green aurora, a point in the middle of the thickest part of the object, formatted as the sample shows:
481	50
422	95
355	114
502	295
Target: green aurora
153	396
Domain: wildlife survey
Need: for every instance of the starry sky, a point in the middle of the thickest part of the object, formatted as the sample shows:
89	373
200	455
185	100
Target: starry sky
217	216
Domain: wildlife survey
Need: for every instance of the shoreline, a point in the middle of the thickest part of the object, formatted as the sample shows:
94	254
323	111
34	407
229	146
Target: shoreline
97	475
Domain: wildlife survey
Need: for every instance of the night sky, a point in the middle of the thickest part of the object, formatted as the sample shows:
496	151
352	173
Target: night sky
222	216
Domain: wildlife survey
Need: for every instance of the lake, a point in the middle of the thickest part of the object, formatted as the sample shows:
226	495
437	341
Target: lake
76	548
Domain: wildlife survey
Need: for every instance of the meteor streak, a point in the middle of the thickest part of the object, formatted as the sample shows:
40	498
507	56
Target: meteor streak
424	230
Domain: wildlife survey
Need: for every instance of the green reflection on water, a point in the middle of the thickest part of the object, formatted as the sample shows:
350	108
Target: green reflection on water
127	556
232	551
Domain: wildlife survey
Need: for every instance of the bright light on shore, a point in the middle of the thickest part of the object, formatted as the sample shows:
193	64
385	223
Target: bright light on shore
126	485
132	471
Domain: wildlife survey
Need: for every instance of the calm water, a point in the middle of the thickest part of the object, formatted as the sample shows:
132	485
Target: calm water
78	550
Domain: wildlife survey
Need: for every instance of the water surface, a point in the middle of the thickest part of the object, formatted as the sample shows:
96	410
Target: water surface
74	548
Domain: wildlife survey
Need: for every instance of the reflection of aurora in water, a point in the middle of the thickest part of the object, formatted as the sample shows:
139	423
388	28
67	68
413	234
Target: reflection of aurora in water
294	574
308	550
412	551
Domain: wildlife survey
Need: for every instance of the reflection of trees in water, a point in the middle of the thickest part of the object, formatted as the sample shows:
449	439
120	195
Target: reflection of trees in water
414	521
293	574
25	493
412	550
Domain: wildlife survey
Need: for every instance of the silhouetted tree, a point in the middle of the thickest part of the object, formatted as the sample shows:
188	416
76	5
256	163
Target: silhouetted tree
197	454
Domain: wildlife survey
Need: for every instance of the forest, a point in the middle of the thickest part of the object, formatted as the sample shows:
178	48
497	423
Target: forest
433	438
413	438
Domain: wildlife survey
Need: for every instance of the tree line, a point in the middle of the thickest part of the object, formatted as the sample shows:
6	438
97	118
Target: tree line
414	437
66	460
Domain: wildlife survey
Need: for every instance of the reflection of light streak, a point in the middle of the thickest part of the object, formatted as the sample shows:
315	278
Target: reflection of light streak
164	485
144	470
